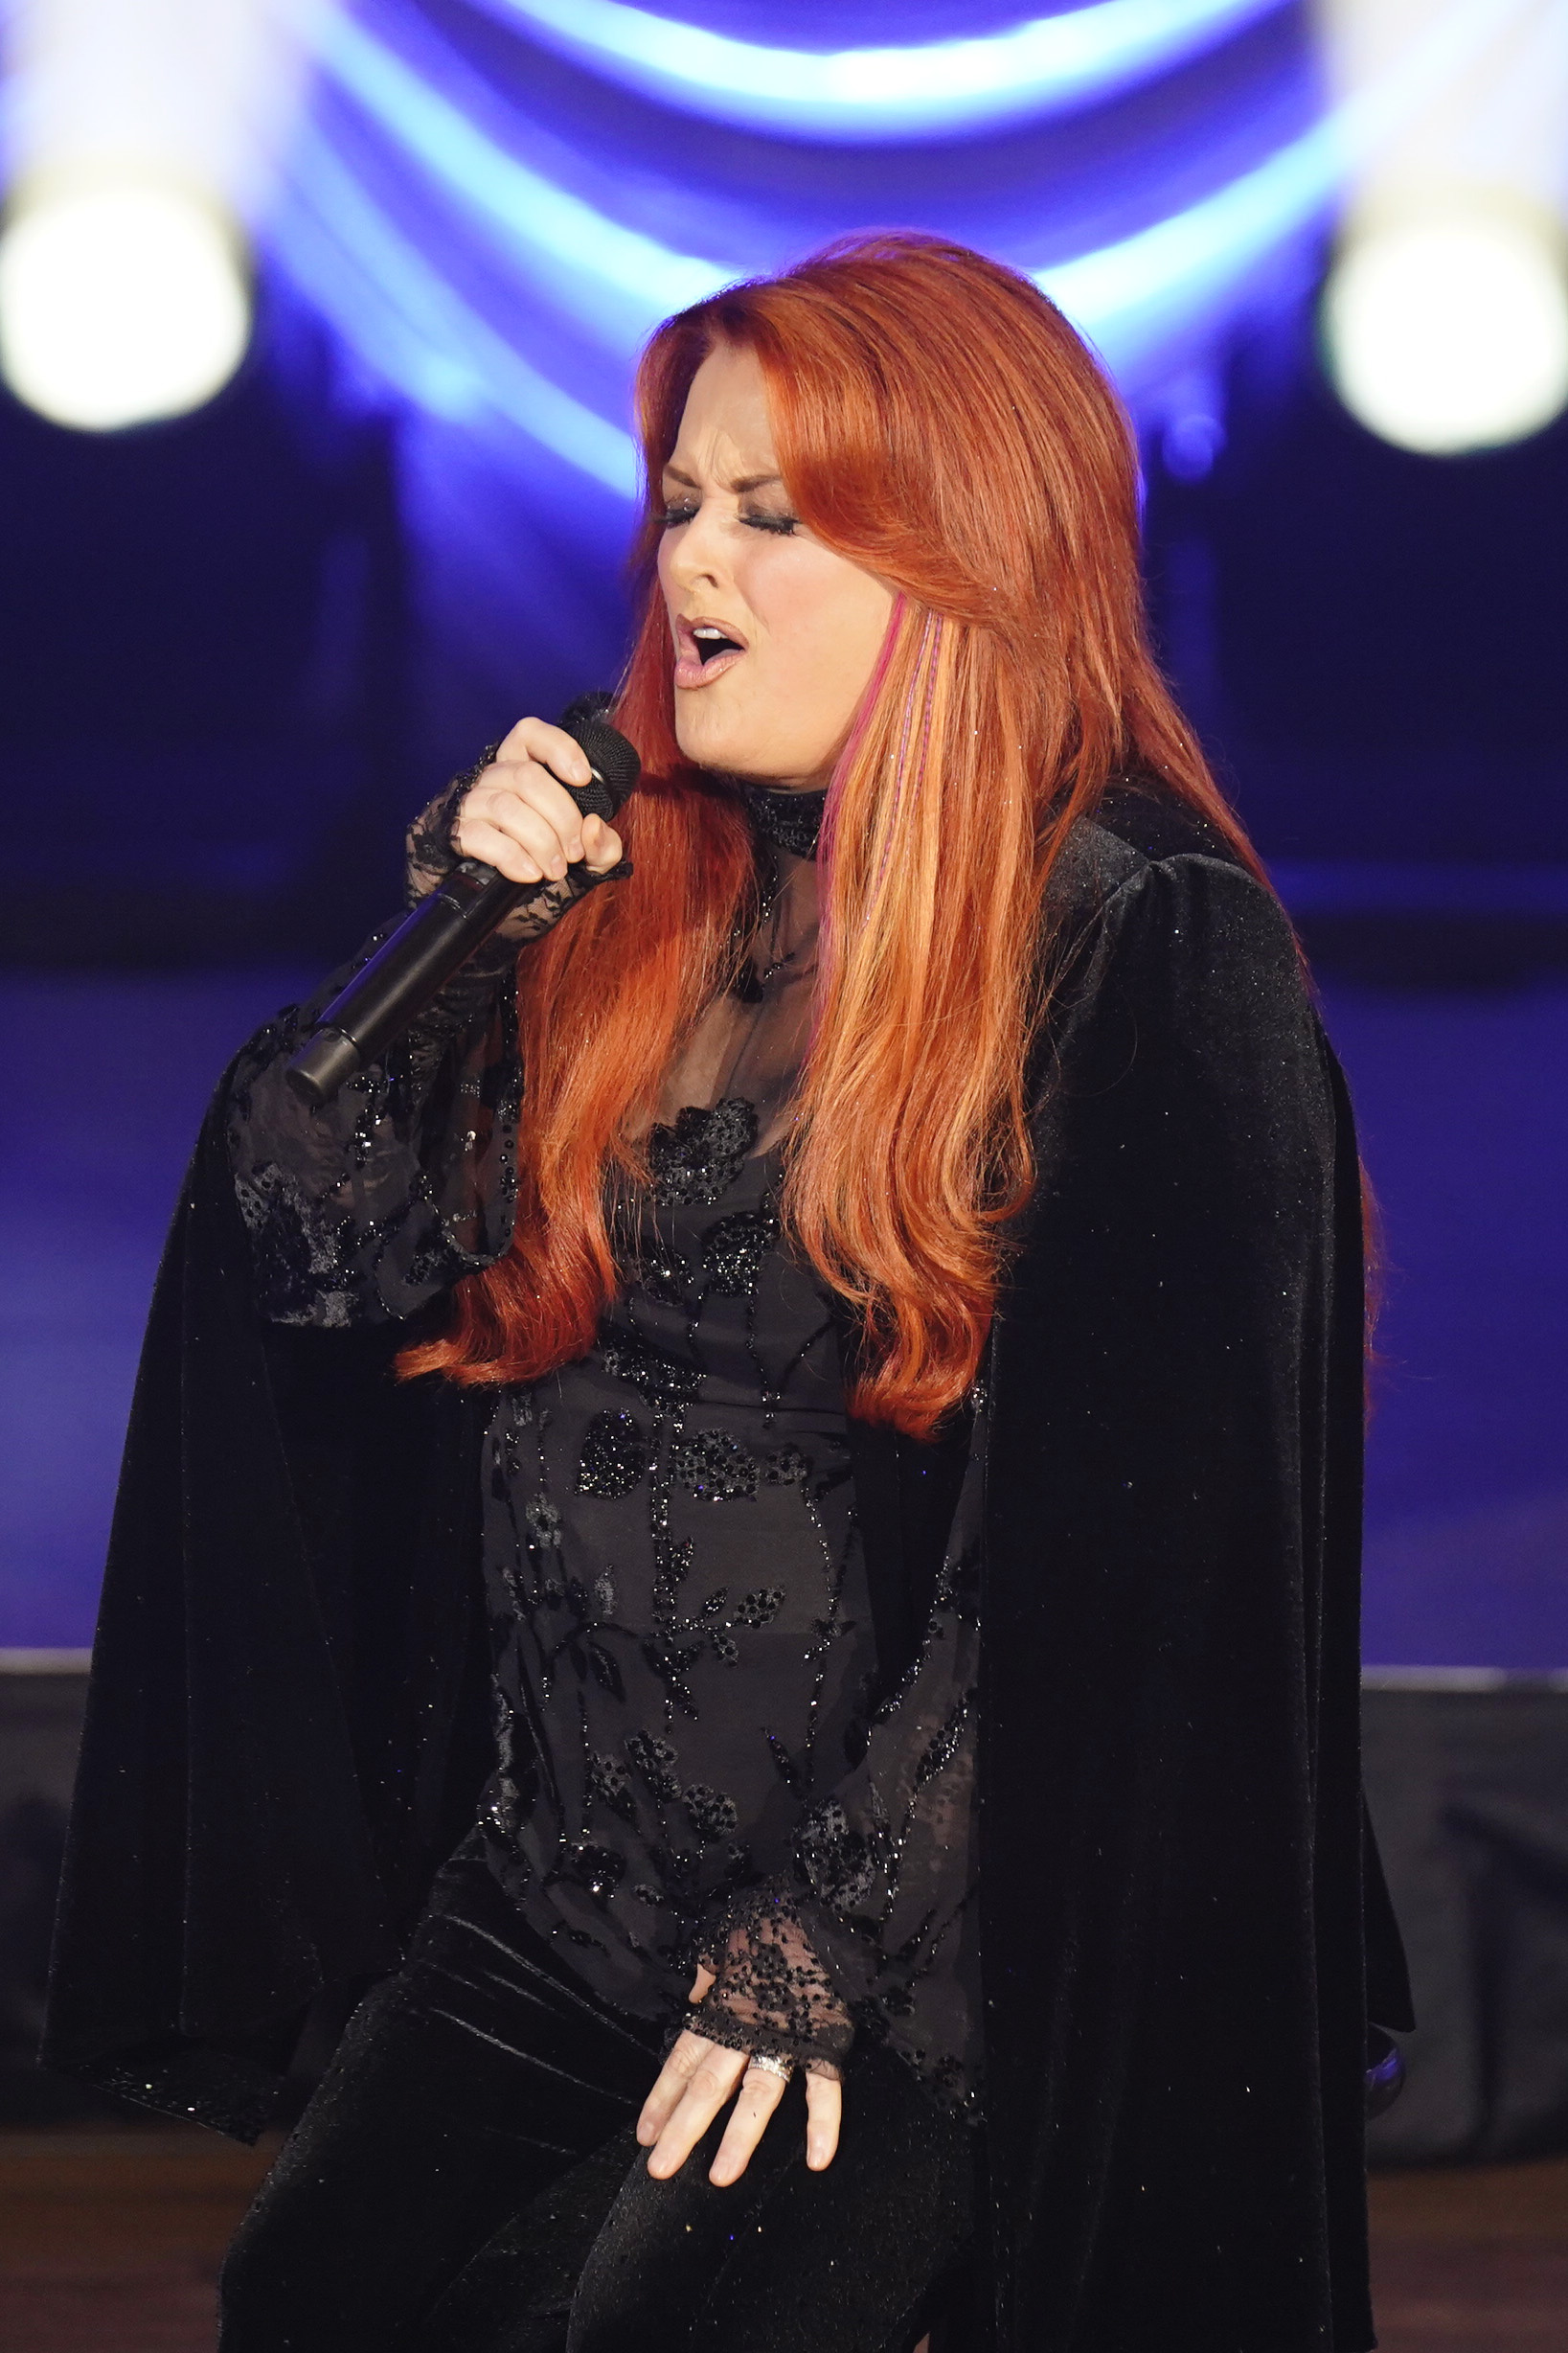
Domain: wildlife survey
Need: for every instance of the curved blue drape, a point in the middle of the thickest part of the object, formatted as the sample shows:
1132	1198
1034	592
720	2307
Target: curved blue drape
965	80
495	201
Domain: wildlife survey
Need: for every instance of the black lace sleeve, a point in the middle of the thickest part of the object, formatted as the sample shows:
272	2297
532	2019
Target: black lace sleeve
431	852
367	1207
877	1933
771	1992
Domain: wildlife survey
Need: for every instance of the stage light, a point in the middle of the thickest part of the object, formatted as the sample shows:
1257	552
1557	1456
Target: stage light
1444	320
119	302
1449	333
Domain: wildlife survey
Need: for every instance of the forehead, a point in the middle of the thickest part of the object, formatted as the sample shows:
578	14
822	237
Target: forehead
725	429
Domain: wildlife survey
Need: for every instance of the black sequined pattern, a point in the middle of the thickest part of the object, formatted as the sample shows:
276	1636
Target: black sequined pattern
791	820
615	1456
701	1155
680	1605
686	1763
635	1499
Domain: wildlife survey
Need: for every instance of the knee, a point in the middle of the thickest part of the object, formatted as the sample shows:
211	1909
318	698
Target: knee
248	2317
277	2285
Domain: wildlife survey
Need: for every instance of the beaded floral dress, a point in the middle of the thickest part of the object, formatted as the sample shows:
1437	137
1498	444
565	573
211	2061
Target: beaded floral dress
692	1756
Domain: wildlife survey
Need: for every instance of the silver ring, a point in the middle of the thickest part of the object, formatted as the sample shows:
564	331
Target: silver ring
769	2065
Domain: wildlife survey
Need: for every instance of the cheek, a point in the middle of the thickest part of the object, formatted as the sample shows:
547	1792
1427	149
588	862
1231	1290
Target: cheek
800	644
823	630
661	566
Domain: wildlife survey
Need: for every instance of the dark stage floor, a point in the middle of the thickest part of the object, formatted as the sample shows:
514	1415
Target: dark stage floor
109	2243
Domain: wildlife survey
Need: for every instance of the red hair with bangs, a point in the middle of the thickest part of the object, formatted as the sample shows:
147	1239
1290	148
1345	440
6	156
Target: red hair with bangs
937	421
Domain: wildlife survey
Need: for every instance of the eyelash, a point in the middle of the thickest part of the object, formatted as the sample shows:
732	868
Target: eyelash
782	526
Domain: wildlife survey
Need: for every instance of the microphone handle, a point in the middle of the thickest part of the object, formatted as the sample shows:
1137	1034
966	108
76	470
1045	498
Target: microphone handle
406	972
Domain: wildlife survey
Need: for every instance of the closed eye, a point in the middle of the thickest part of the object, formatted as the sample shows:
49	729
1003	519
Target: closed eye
684	511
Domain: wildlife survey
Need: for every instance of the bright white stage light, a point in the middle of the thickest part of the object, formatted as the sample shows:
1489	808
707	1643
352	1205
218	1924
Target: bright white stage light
1449	332
119	302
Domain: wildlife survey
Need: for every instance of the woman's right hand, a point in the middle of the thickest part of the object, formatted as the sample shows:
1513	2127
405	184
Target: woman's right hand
517	816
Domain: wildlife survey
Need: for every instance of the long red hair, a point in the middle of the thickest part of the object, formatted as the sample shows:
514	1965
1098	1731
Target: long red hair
937	421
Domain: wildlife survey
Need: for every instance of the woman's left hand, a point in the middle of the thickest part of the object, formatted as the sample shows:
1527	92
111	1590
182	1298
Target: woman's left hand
698	2077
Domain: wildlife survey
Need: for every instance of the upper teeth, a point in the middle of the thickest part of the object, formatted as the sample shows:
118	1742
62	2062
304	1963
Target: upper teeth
707	630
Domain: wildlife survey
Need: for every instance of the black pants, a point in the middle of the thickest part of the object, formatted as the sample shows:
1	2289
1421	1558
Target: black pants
466	2180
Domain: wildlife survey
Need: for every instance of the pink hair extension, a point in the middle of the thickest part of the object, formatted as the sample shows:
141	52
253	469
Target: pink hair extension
867	700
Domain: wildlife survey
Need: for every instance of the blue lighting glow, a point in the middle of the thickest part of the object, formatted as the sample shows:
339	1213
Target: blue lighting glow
1122	295
541	222
1040	67
1169	279
415	330
421	296
493	234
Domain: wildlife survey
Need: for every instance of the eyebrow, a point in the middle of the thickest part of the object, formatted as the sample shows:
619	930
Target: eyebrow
740	488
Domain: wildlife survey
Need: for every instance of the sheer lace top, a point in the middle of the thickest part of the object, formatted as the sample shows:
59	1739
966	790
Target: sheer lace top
751	1041
687	1763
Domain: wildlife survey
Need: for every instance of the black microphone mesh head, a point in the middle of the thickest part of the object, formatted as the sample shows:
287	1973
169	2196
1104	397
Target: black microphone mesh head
612	756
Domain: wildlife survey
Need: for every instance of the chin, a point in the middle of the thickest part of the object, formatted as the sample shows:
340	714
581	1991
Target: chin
708	743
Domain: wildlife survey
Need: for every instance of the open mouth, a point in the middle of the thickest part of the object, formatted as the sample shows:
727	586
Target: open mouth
711	642
704	650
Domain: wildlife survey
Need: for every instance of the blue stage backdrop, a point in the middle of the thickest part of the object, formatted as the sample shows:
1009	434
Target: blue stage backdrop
248	641
493	202
1463	1117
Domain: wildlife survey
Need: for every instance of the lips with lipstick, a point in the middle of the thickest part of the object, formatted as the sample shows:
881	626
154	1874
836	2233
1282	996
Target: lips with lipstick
704	650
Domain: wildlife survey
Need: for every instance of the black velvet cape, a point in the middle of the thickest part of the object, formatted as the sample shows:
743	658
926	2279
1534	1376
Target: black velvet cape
287	1726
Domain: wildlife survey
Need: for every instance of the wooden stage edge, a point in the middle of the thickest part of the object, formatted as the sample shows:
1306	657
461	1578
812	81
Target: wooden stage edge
110	2242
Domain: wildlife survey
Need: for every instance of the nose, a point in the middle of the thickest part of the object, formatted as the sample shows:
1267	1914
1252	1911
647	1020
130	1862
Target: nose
694	555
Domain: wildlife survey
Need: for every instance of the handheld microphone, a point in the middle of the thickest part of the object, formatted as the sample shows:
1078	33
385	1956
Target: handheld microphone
438	935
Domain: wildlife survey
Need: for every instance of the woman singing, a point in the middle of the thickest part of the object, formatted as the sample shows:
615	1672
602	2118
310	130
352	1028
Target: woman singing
752	1542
